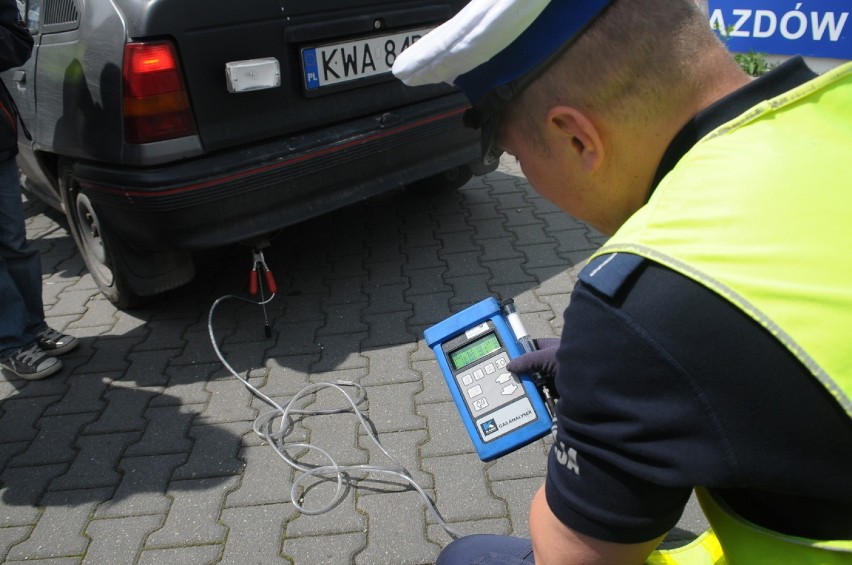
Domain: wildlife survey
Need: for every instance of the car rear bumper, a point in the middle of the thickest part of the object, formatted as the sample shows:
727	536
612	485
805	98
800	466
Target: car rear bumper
236	195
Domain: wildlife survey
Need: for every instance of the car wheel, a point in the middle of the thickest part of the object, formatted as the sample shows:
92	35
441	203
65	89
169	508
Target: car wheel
446	181
96	242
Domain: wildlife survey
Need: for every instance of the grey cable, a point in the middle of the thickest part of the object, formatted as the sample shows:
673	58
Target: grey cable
264	426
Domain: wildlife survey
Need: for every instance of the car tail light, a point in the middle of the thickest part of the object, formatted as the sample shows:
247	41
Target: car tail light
156	104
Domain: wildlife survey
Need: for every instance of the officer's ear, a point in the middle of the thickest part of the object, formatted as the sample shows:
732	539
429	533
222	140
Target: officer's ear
575	132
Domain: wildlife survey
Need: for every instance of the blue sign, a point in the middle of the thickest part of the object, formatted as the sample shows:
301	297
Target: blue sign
814	28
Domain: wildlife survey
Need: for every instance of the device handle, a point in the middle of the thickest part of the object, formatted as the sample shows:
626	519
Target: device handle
510	312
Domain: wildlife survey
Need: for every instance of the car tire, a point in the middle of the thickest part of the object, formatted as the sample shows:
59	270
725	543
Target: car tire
447	181
97	243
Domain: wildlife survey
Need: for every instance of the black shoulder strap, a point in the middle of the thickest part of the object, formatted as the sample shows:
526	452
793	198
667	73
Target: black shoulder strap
608	273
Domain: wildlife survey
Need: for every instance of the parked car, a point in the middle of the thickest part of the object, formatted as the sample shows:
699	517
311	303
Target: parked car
165	126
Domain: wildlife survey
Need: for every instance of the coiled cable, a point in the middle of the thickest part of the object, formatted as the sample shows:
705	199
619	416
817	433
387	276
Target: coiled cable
274	425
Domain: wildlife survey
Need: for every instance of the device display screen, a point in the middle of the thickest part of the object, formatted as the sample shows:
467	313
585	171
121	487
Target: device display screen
474	351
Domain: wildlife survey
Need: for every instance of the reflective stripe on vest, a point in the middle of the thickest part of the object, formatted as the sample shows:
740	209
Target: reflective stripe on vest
760	211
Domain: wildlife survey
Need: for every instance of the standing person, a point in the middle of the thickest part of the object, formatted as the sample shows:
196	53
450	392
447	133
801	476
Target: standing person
706	345
27	344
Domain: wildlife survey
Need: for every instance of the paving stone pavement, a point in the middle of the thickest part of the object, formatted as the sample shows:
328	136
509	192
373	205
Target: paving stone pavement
142	449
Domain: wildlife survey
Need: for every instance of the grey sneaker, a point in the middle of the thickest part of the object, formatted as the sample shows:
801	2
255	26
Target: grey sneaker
54	343
32	363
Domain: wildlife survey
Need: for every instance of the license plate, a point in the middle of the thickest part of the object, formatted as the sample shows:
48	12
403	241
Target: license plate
347	61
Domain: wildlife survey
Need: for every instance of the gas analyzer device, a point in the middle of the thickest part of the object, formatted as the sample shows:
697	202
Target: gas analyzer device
501	411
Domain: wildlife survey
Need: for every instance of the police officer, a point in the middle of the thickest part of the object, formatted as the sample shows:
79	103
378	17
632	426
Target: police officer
706	346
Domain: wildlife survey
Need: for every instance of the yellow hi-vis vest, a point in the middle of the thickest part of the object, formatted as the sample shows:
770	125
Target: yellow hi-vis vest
760	211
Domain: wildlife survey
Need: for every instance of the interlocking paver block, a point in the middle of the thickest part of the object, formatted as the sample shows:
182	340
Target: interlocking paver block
541	256
415	237
23	488
201	554
335	434
340	352
21	415
186	385
85	394
51	290
111	354
390	364
390	251
10	450
255	533
59	532
96	462
166	431
434	386
395	517
12	536
118	540
392	407
287	375
230	401
266	479
497	248
388	330
402	446
497	526
463	489
214	452
463	264
148	368
342	518
124	409
446	430
54	443
346	291
297	338
429	309
332	549
302	308
505	272
97	313
518	493
193	518
458	242
427	282
468	290
143	485
198	349
528	461
385	299
72	303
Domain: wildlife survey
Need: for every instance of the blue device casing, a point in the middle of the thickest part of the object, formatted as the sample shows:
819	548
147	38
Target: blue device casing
453	329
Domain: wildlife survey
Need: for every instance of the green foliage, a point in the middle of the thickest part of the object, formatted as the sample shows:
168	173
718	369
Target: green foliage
753	63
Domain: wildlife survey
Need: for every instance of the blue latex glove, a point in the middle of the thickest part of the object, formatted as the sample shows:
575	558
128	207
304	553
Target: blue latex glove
542	360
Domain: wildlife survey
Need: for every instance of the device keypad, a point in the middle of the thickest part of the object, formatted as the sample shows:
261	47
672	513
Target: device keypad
488	385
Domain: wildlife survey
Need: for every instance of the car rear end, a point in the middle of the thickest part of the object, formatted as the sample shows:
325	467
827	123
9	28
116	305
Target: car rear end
240	118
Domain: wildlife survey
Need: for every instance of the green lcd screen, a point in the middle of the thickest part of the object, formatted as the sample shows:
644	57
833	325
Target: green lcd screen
474	351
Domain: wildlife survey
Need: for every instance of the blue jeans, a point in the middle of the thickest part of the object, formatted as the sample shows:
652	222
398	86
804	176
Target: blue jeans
21	308
485	549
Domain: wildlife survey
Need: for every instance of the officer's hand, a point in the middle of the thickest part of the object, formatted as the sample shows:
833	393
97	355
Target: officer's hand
543	360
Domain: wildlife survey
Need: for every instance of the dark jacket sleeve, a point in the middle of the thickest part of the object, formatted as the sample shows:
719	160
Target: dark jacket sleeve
16	46
16	43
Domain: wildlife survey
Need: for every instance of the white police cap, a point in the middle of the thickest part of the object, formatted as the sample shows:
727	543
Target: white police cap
480	30
492	49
